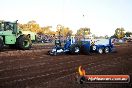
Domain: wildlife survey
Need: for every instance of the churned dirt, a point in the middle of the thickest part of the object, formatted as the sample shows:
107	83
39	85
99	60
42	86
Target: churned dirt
35	69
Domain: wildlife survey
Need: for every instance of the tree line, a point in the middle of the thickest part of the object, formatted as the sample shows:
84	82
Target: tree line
66	31
33	26
120	33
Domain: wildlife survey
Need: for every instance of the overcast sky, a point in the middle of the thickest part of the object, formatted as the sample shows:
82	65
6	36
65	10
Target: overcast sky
101	16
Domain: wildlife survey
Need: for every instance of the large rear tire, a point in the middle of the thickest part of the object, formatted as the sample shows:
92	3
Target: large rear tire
1	44
85	50
24	42
74	49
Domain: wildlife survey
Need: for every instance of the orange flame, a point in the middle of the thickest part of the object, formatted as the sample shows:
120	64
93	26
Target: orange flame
81	71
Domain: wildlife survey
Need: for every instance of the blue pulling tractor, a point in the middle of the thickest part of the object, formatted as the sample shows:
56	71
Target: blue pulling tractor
83	46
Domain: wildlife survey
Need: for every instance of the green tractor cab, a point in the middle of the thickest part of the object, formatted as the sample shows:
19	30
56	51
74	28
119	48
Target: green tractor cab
12	36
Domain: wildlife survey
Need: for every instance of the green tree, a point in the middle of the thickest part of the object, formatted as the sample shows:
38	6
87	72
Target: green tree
30	26
67	32
46	30
63	31
119	33
83	31
34	27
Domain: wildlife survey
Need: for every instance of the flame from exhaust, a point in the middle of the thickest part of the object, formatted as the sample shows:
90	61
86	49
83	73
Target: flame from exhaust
81	71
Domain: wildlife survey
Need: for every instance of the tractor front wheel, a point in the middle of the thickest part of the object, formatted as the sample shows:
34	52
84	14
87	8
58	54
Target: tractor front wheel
24	42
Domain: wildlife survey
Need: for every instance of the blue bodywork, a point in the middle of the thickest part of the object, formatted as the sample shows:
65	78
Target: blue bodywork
96	44
102	44
87	46
67	44
109	45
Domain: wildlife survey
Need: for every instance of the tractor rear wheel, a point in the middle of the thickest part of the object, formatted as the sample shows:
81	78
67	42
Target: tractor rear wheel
24	42
85	50
1	44
74	49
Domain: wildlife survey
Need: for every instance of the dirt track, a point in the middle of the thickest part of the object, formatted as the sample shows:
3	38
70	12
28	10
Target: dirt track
35	69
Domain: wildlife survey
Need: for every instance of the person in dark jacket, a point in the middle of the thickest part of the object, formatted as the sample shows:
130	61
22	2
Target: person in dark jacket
57	42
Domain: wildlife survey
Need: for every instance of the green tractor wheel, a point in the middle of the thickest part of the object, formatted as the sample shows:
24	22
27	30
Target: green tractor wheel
1	44
24	43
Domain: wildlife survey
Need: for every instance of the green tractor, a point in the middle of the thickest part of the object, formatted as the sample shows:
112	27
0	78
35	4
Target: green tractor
12	36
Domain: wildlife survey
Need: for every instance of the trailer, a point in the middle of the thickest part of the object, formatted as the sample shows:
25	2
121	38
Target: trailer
101	45
84	46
